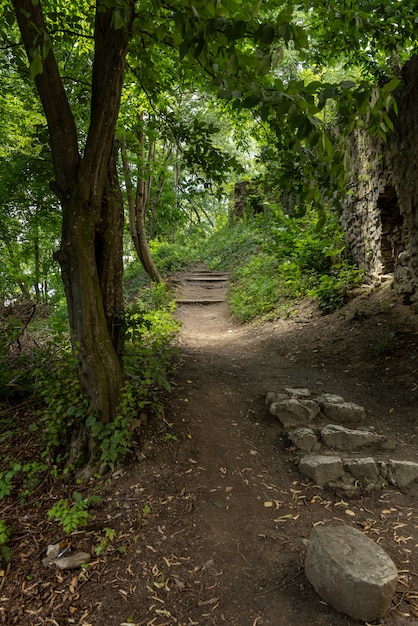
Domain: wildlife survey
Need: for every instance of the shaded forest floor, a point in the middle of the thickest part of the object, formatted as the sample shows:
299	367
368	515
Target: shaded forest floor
208	526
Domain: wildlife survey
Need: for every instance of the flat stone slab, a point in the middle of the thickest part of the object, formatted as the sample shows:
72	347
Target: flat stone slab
335	436
343	412
350	572
330	398
298	392
321	468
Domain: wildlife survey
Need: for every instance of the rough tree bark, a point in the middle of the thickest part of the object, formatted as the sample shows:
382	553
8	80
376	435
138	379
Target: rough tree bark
87	187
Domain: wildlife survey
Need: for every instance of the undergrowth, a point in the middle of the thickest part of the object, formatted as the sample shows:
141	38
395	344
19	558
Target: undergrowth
58	407
278	259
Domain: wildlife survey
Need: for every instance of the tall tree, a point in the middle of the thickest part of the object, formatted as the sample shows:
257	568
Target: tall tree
87	186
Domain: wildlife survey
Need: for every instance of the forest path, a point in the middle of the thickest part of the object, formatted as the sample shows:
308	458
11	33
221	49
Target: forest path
226	513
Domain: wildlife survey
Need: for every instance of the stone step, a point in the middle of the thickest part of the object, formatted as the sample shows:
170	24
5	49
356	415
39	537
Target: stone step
202	301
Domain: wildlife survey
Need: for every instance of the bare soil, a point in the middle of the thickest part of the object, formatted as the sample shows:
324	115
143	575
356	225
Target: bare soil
211	520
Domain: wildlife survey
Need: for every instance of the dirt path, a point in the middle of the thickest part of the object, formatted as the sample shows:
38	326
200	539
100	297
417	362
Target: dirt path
210	526
229	513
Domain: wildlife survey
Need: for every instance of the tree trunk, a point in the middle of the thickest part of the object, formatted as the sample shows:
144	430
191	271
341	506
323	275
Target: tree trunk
91	247
137	207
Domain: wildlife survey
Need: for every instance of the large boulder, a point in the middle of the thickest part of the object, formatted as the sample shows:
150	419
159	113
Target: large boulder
350	572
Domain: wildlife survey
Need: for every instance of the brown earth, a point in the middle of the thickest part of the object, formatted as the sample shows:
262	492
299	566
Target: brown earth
211	522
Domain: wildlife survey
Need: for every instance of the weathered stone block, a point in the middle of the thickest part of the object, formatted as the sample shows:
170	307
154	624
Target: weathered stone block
343	412
321	469
361	469
304	438
294	412
402	473
335	436
330	398
298	393
350	572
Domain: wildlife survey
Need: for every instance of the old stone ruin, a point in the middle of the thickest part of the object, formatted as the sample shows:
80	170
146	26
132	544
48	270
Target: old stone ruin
333	455
380	212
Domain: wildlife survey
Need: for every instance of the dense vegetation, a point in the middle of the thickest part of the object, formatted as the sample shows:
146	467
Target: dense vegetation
144	117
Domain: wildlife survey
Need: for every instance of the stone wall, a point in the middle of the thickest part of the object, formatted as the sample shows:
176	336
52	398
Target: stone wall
380	214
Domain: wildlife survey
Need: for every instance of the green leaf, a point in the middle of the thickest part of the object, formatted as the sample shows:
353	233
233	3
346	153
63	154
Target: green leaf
391	85
251	101
232	66
266	33
184	48
118	19
264	64
36	67
347	84
236	30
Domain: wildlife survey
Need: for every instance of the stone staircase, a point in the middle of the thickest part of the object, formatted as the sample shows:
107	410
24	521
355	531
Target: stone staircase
202	286
333	455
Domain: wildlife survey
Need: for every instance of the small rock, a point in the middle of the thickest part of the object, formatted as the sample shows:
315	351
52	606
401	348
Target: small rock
271	397
298	393
54	550
304	438
350	572
321	469
335	436
72	561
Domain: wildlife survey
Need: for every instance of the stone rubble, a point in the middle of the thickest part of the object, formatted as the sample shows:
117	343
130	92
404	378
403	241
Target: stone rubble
299	412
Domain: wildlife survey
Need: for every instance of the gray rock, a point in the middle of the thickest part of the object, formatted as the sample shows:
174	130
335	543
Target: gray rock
402	473
304	438
321	469
343	412
293	412
272	397
362	469
329	398
72	561
335	436
350	572
298	393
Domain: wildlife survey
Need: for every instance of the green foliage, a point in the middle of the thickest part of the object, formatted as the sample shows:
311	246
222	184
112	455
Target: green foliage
106	540
7	479
279	259
73	514
5	532
20	480
64	406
